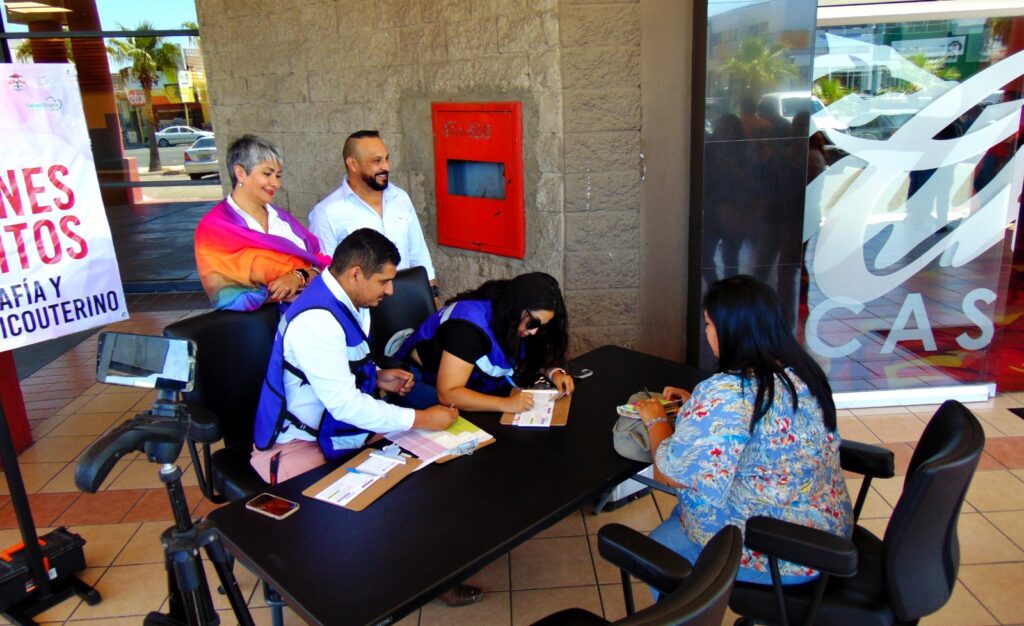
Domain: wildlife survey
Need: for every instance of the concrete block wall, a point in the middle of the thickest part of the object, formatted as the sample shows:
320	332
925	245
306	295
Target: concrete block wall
600	42
305	75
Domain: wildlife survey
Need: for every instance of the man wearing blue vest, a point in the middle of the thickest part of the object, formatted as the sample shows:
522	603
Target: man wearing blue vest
313	408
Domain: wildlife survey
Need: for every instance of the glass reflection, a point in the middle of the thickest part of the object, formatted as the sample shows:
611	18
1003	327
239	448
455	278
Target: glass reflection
909	224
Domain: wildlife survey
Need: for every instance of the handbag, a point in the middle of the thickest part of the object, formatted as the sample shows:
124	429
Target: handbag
629	435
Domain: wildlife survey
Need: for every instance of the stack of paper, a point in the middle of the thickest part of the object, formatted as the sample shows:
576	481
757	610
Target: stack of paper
631	409
356	480
542	411
429	445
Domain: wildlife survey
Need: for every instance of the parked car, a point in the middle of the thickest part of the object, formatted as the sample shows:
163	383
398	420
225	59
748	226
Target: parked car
174	135
789	103
201	159
883	126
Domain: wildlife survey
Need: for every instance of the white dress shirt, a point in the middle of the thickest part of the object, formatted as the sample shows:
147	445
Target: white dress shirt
315	343
275	224
342	212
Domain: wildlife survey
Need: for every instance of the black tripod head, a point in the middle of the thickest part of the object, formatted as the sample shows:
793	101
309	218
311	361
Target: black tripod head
141	361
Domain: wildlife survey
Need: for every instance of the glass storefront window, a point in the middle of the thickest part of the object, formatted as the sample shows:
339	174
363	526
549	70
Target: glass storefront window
910	215
149	122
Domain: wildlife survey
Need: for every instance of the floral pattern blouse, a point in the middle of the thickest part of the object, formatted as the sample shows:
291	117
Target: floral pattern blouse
787	468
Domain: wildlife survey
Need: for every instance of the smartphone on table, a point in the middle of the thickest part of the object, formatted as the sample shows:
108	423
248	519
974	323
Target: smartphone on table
272	506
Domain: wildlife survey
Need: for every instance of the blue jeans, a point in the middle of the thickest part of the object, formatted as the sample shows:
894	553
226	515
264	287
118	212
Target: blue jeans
670	533
422	396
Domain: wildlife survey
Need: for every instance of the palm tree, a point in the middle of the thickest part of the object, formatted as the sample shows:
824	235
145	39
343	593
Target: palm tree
148	56
758	64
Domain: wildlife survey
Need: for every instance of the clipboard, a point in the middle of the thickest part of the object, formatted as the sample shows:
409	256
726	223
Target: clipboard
559	416
371	493
463	451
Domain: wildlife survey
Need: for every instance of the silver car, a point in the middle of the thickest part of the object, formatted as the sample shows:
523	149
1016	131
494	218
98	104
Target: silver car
174	135
201	159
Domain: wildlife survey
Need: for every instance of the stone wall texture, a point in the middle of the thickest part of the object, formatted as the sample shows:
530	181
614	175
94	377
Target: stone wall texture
305	75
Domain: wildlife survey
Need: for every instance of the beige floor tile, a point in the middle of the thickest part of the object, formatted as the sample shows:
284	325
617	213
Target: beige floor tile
982	542
894	428
889	490
852	429
133	620
996	491
103	542
615	604
997	586
45	427
640	514
144	546
247	583
530	606
606	572
875	505
875	526
493	610
262	617
881	410
665	502
128	590
560	562
962	608
110	402
74	406
1003	420
1010	523
56	449
33	475
493	577
86	424
925	411
991	431
571	526
67	608
138	474
64	481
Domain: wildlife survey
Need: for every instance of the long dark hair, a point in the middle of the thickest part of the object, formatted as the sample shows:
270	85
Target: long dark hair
510	299
754	338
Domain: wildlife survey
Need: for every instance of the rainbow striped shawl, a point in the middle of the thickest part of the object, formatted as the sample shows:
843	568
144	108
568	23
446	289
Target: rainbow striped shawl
236	263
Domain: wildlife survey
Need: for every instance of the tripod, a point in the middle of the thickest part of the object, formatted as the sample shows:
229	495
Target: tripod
160	434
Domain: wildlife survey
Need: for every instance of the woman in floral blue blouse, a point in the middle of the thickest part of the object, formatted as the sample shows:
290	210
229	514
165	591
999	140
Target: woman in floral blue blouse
757	438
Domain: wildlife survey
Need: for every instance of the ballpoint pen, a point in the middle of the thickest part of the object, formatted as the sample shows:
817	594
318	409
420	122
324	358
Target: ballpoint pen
356	470
511	382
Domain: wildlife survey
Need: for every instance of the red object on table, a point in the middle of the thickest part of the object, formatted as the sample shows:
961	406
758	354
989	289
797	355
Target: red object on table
14	403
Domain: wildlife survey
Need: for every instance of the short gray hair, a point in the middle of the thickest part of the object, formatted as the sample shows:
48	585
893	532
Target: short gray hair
249	151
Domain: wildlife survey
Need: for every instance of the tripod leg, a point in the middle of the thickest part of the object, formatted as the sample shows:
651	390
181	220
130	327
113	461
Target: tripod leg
187	572
222	561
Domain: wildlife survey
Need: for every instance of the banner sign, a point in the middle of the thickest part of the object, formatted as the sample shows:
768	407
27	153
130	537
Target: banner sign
58	271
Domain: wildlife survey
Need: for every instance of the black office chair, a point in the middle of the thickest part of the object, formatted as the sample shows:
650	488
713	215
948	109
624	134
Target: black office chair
400	314
906	575
694	596
232	352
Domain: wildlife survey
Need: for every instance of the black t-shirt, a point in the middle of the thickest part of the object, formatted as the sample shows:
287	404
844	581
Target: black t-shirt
460	338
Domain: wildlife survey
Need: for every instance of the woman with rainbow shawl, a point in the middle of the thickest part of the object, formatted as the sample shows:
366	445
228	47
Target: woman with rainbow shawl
248	251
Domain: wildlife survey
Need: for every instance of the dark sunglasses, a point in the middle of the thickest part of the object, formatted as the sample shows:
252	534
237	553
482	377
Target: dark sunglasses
532	323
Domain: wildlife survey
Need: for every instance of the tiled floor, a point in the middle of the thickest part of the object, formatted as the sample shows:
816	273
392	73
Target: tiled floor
557	569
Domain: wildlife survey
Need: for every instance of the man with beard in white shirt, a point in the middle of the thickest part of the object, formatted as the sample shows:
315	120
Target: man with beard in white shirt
366	199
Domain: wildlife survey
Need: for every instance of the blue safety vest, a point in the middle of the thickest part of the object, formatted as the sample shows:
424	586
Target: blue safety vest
272	412
490	370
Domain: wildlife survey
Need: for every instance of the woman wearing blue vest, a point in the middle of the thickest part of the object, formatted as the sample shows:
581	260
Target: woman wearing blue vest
503	332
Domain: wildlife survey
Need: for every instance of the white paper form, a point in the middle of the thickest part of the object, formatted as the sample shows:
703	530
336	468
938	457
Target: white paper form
543	409
356	480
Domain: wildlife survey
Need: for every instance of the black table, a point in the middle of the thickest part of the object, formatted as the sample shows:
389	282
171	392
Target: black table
444	523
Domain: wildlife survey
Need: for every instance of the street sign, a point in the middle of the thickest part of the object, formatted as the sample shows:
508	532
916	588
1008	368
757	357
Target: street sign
136	97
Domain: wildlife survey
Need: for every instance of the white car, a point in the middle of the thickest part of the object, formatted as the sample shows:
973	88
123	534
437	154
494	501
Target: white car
174	135
201	159
789	103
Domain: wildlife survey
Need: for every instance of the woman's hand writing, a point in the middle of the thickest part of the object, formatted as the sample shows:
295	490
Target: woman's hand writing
518	402
676	393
